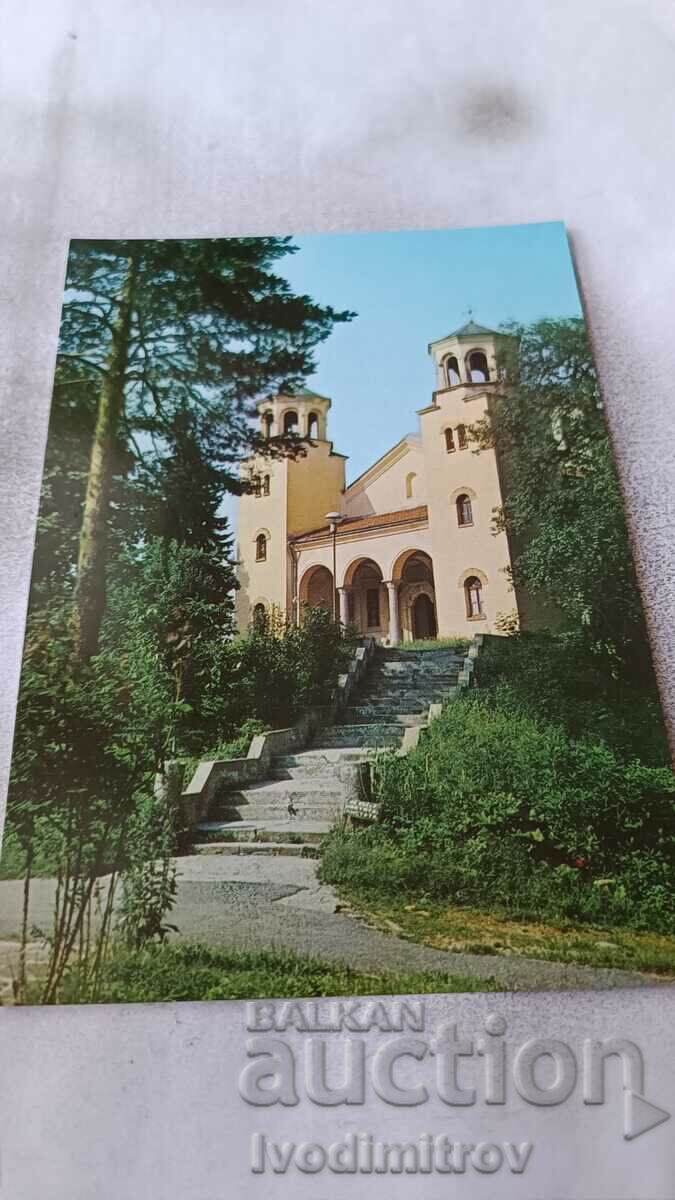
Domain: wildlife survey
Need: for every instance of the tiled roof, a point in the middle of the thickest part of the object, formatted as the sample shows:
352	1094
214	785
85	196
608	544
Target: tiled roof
471	328
402	516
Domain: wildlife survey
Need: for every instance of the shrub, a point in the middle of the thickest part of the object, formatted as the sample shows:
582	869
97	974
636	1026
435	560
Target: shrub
555	677
496	808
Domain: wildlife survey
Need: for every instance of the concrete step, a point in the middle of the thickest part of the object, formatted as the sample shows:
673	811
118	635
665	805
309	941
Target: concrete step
366	715
320	773
377	735
396	675
282	849
389	654
328	757
292	831
262	814
281	790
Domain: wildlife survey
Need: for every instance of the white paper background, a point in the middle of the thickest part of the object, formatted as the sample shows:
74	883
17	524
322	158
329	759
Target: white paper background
219	117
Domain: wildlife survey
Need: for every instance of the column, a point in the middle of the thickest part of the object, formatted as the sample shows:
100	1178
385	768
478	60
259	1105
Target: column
394	624
343	594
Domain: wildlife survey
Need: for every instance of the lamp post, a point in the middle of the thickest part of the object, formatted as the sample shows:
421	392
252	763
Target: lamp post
334	519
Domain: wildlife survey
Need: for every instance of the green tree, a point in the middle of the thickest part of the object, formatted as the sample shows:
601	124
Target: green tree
165	647
167	326
563	508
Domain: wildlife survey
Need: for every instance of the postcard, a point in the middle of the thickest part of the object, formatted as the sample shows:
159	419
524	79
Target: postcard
336	679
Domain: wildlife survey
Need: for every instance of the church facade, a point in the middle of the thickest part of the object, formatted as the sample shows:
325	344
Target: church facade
407	550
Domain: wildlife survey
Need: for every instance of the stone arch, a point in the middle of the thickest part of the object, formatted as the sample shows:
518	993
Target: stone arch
409	595
260	611
467	575
403	558
410	484
413	576
465	490
367	596
451	370
316	587
261	542
352	568
284	421
476	360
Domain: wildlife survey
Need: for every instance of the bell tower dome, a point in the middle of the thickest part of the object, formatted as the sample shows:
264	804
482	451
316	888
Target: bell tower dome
303	413
465	357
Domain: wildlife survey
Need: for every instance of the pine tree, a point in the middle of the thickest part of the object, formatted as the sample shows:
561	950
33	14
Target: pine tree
205	326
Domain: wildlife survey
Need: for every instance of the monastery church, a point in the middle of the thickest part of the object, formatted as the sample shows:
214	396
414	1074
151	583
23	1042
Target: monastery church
410	543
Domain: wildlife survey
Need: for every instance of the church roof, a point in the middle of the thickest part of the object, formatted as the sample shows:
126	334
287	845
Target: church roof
303	394
470	328
402	516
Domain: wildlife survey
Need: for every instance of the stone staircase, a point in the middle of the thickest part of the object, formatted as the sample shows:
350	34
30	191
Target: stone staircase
317	782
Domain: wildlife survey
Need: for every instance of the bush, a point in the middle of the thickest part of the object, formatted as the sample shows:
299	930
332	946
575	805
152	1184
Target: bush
496	808
556	678
282	669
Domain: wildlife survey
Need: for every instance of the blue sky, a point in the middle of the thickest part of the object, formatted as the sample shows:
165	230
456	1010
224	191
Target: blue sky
408	289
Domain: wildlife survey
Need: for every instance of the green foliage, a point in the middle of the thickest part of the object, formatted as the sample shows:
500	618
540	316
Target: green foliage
197	972
494	807
149	876
211	325
166	646
553	677
284	668
563	507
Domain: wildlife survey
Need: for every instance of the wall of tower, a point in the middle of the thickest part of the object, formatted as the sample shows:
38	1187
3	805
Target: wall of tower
459	551
263	582
316	484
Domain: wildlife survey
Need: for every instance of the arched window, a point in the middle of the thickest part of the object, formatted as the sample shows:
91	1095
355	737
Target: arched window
464	510
259	618
290	422
478	367
268	421
410	485
452	371
449	441
266	485
473	592
312	426
261	547
461	437
256	485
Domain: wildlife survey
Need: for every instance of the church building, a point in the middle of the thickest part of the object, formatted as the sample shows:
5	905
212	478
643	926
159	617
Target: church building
408	549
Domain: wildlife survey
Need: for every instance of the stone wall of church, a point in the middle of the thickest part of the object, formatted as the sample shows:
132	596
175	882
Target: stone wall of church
460	551
397	481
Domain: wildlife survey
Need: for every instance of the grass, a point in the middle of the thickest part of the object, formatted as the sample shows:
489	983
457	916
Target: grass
471	931
193	971
447	643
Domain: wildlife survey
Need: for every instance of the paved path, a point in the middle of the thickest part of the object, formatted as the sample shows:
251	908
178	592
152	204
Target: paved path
262	901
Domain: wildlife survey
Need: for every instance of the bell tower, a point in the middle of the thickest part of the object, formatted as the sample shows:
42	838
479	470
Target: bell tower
289	495
303	413
471	561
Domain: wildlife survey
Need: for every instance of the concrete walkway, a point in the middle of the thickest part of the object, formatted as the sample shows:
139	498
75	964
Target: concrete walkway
257	901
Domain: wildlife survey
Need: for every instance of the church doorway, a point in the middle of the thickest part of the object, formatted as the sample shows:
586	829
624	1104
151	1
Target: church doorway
423	618
414	573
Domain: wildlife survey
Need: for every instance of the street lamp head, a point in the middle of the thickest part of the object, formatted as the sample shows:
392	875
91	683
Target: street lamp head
334	519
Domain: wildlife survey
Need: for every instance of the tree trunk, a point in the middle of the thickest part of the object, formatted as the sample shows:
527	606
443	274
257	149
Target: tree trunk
93	550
